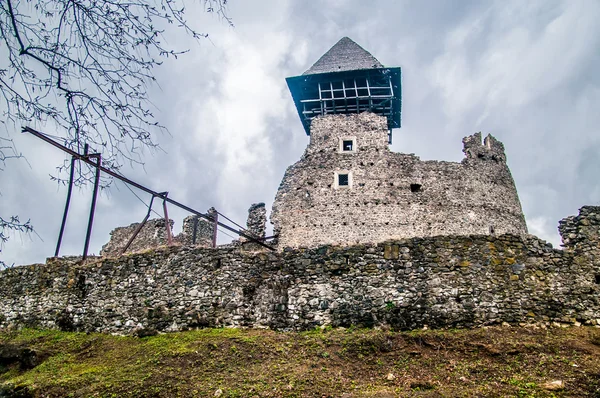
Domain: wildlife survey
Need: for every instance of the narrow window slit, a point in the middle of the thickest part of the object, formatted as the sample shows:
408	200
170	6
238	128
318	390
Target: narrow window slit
415	187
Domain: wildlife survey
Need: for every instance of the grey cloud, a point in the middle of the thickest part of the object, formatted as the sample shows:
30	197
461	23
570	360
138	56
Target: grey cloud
523	71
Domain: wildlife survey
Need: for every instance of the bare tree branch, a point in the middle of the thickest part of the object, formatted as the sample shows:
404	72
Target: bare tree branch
84	68
9	227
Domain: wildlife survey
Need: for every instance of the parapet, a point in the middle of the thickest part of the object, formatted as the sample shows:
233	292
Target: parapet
578	231
491	149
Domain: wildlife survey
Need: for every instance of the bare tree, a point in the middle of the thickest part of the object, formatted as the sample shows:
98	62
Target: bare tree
11	224
83	67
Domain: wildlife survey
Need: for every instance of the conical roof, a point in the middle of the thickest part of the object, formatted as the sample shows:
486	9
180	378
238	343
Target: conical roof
345	55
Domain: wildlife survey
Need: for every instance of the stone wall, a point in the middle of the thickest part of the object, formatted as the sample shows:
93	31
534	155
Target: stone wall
390	195
444	281
255	226
196	231
257	220
578	231
153	234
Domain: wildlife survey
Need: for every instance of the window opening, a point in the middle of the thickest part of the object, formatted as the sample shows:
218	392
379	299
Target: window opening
343	180
598	279
347	145
415	187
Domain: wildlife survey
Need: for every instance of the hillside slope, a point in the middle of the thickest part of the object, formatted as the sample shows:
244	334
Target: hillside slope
495	361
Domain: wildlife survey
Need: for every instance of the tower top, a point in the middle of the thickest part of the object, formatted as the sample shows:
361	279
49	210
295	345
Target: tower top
347	79
344	56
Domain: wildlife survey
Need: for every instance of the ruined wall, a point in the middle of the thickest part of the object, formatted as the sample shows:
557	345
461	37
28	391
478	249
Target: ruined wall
578	231
390	195
255	225
153	234
436	281
196	231
257	220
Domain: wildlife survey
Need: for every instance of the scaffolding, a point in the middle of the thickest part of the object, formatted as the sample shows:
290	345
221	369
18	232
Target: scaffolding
373	90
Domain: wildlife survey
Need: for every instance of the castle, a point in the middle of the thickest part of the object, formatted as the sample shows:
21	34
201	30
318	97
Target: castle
349	188
367	237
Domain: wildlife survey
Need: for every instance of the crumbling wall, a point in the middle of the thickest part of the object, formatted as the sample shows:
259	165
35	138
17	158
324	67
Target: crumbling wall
444	281
257	220
196	231
577	231
153	234
255	226
390	195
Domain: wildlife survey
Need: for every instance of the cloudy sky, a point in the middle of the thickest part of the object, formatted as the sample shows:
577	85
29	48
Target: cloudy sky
525	71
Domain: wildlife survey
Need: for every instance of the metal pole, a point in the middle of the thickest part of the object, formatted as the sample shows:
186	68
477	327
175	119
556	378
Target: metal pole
139	227
167	223
93	207
215	224
67	204
139	186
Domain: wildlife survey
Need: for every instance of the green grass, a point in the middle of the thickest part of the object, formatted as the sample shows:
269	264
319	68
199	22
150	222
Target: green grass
326	363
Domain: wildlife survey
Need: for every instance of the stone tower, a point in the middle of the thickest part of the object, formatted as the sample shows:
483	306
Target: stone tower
349	188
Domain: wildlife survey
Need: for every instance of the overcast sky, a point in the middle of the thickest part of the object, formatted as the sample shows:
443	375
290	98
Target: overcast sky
525	71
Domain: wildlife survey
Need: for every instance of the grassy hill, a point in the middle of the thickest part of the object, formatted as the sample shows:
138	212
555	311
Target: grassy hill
495	361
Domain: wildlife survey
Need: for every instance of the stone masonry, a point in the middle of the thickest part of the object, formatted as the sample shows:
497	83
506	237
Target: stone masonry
390	195
153	234
578	230
443	281
196	231
255	225
257	219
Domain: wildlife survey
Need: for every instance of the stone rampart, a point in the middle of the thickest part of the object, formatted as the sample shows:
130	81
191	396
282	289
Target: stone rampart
444	281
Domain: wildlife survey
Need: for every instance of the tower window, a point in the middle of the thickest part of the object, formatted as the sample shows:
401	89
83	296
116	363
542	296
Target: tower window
415	187
347	144
343	180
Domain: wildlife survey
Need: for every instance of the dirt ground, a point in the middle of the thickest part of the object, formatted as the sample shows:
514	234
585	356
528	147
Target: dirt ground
486	362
